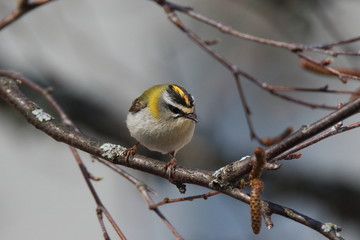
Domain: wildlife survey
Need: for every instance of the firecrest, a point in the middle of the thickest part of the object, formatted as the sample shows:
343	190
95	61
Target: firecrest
162	119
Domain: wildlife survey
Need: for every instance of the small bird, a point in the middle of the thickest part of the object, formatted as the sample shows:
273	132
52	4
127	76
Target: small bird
162	119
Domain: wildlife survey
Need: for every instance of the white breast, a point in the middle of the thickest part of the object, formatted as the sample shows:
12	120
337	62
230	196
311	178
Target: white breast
159	136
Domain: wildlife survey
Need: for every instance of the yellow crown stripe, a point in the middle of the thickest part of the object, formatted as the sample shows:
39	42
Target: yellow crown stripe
182	94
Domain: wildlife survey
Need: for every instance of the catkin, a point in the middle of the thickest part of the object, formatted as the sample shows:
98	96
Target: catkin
257	187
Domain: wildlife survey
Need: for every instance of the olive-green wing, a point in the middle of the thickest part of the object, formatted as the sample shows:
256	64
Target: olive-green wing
138	104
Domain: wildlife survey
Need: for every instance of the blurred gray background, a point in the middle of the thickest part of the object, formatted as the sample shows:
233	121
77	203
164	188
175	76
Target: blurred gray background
99	55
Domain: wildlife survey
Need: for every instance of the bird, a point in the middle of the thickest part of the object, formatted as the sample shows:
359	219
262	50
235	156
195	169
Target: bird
162	119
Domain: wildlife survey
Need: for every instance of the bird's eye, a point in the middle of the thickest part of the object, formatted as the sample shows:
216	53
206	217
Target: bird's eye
174	109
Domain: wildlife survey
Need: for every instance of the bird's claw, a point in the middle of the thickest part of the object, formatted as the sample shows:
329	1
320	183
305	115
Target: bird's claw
130	152
171	166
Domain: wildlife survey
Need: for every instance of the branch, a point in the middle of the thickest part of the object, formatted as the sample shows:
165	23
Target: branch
324	49
101	209
170	9
232	172
87	176
224	181
10	92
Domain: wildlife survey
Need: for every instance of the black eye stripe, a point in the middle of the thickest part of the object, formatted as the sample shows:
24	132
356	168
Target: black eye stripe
174	109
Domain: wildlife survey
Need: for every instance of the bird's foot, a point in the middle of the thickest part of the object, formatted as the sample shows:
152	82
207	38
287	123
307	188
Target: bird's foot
130	152
171	166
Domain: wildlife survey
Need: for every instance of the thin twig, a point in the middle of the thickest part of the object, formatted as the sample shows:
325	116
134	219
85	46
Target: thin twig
304	103
144	191
190	198
236	72
324	89
125	174
246	107
100	205
324	49
321	70
342	76
268	141
150	202
337	43
24	6
99	213
232	68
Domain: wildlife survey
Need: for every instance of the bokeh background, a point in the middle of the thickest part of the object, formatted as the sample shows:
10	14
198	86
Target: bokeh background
99	55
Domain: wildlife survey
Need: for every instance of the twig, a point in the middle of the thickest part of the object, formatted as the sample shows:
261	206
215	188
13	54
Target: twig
99	213
324	49
24	6
245	107
234	171
302	102
321	70
313	129
232	68
151	203
124	174
342	76
336	129
270	208
268	141
236	72
341	42
324	89
144	191
272	90
190	198
100	205
293	156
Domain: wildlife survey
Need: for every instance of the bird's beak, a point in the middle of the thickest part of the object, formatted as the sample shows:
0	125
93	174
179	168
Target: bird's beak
191	116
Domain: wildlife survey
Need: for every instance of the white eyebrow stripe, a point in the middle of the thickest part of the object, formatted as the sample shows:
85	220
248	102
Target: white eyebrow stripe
167	98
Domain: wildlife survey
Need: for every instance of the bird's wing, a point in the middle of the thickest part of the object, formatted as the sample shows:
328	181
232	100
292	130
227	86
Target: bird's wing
138	104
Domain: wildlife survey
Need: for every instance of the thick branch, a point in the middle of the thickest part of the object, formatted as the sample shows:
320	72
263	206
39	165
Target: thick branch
10	92
233	171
